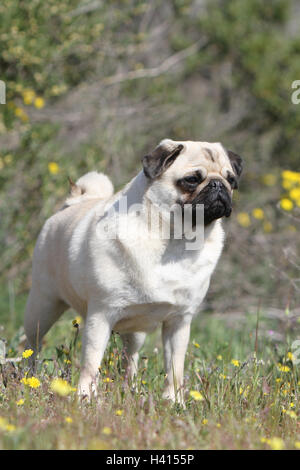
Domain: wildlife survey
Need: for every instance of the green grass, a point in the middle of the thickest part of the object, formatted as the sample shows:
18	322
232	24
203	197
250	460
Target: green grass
243	407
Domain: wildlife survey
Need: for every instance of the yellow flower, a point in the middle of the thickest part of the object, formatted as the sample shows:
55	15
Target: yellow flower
269	179
219	357
76	321
107	379
291	414
258	213
5	425
218	425
244	391
244	219
268	227
20	113
196	395
20	402
235	362
286	204
286	184
295	194
61	387
68	419
196	344
276	443
290	356
283	368
28	96
106	430
291	176
204	421
39	102
27	353
53	168
32	382
119	412
297	444
10	427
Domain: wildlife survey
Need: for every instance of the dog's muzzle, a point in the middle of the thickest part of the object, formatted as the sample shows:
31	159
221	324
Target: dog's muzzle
216	200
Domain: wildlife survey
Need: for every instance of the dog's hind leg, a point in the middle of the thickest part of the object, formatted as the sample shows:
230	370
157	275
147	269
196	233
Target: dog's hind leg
132	343
42	311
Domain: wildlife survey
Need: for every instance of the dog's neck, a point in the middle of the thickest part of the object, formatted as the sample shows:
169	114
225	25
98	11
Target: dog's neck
137	194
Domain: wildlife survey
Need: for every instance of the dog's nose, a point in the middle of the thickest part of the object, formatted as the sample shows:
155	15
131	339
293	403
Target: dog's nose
215	184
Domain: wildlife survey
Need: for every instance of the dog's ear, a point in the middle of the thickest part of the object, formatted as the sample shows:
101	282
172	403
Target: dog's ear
162	157
236	162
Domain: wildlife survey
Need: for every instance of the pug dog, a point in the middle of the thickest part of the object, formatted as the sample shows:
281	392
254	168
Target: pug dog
134	282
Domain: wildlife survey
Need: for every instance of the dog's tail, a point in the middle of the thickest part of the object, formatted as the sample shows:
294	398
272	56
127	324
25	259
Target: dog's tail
92	185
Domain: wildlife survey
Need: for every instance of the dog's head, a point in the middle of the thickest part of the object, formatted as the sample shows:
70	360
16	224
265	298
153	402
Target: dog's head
193	173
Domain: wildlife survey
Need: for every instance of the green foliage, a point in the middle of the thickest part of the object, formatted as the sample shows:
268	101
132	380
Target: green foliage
248	395
252	35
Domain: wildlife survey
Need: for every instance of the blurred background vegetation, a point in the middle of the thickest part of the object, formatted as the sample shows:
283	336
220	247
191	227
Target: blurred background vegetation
94	85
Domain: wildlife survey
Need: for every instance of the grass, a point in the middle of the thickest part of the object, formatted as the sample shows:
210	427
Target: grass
246	401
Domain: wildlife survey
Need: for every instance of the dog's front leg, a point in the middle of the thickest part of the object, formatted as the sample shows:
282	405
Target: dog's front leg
176	333
96	334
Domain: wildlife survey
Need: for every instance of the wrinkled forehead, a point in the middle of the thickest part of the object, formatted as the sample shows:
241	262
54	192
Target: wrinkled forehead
195	155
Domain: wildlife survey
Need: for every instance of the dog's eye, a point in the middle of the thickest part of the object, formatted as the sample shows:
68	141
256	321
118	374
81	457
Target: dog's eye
193	180
190	183
232	181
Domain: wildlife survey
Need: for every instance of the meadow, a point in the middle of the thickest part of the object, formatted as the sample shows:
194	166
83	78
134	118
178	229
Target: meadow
241	390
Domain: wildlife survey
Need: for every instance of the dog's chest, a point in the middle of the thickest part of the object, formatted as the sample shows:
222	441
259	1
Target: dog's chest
178	280
175	286
183	277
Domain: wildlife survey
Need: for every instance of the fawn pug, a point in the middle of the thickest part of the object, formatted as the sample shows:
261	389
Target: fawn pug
133	283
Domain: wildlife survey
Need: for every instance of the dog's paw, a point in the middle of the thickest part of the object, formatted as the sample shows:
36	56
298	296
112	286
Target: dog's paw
172	398
87	391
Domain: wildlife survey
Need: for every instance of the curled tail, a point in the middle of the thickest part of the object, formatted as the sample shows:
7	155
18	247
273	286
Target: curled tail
92	185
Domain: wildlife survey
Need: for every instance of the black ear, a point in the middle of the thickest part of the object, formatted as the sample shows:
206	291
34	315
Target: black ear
160	159
236	162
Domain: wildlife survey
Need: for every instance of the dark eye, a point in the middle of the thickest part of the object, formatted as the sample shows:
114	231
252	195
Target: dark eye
191	180
232	181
